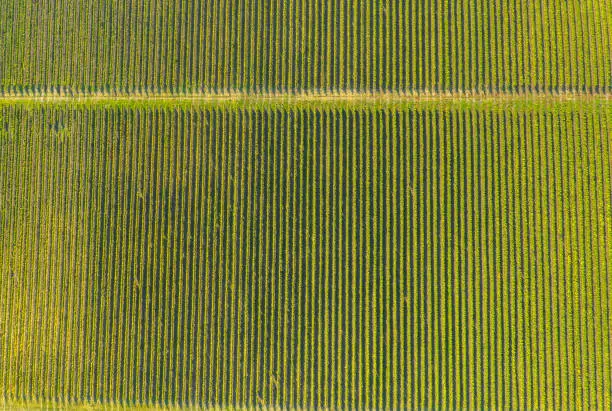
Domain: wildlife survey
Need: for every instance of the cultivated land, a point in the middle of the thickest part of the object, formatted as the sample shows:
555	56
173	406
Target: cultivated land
352	257
306	204
190	46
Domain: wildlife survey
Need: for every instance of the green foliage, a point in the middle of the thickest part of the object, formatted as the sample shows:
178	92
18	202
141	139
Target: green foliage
269	253
261	46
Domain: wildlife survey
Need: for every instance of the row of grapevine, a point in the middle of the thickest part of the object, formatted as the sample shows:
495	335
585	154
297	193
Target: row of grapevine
292	46
373	258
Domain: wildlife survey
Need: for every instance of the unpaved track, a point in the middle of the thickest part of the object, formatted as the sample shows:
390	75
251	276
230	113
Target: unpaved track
306	97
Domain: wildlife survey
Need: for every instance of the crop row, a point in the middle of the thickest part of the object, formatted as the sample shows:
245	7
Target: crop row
301	258
206	46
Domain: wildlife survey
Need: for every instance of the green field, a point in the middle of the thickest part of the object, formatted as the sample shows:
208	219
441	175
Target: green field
362	256
290	204
287	46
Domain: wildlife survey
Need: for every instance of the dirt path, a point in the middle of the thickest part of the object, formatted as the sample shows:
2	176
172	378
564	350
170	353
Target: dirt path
327	101
305	97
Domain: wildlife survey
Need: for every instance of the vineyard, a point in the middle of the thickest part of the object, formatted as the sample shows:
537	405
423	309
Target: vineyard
306	205
305	257
288	46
